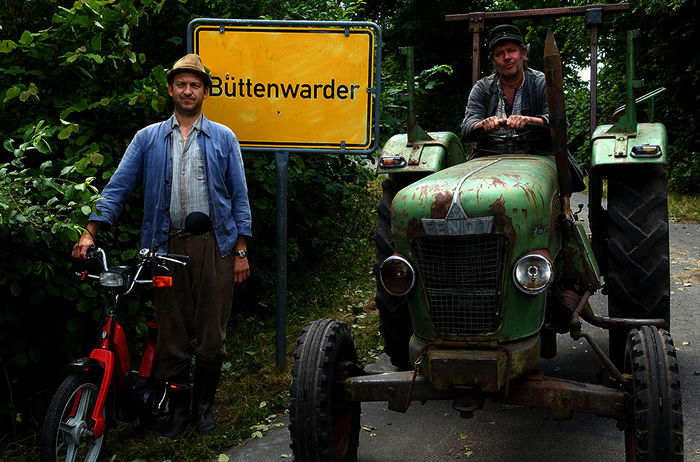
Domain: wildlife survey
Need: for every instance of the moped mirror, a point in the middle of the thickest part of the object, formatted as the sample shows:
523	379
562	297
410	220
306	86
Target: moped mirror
197	223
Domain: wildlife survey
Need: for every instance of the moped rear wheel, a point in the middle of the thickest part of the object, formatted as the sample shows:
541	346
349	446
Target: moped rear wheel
67	431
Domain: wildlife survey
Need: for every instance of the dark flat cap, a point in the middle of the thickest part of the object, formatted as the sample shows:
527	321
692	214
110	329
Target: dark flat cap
505	32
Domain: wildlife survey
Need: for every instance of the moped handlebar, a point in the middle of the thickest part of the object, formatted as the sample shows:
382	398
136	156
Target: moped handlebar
96	253
147	257
150	254
123	278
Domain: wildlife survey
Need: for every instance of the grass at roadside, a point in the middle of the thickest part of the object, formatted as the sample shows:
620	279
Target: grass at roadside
683	207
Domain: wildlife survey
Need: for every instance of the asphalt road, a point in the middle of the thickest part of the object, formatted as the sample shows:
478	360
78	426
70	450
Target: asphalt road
435	432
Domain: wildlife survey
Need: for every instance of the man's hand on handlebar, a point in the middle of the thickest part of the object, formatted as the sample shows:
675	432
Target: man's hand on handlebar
81	247
85	242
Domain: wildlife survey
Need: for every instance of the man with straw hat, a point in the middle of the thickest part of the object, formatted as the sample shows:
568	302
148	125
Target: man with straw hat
186	164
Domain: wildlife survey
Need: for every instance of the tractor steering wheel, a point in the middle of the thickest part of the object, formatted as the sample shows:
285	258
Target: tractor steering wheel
514	140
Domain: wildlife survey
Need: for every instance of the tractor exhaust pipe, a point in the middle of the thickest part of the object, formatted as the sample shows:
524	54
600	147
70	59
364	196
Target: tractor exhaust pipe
557	119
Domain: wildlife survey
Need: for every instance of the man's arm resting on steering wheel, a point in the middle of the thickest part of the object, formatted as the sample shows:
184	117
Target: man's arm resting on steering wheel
513	122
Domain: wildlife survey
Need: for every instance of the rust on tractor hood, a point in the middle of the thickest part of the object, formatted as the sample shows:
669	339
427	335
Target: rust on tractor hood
505	194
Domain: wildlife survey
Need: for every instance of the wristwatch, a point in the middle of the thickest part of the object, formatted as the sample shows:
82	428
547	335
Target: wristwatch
240	253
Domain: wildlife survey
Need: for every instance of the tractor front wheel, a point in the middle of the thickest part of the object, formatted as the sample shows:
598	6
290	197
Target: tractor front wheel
324	427
654	430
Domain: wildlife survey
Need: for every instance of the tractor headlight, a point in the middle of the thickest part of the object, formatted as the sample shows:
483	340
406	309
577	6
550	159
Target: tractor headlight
397	275
533	273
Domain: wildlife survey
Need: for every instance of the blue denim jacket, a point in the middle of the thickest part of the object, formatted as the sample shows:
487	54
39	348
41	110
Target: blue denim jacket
147	162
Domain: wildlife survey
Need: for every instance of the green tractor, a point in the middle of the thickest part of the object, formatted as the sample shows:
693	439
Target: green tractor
481	263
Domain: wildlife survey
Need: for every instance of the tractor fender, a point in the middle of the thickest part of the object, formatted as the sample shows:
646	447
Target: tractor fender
442	150
611	147
613	152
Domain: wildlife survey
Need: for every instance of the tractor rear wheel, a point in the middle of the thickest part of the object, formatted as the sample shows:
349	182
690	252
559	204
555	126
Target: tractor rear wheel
654	430
637	279
394	319
324	427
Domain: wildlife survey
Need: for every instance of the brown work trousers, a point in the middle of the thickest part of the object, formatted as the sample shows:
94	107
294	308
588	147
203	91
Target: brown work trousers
193	313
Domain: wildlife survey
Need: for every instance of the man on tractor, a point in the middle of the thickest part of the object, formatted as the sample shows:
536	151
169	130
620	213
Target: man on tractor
513	96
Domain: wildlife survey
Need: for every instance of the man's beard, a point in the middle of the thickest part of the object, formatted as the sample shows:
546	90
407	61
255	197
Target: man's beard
194	110
514	77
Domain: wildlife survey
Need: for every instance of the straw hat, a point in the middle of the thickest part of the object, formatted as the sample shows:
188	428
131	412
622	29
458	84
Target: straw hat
189	63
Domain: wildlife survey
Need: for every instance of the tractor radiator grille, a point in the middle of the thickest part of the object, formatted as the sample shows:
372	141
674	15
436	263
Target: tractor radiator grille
462	277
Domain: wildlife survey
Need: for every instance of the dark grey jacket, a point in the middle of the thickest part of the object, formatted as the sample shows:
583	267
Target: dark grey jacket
483	100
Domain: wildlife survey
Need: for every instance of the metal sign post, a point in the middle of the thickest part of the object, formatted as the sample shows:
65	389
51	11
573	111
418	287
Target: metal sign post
282	168
292	87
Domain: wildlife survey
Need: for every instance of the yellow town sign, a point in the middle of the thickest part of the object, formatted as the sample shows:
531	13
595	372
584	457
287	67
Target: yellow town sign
291	87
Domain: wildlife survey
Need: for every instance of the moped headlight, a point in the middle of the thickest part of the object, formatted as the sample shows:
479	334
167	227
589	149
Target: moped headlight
533	273
115	276
112	279
397	275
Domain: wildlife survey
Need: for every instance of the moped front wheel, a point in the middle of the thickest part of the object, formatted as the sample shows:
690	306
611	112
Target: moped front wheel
67	431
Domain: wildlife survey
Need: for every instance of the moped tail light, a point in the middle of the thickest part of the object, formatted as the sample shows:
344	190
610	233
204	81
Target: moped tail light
162	281
397	275
533	273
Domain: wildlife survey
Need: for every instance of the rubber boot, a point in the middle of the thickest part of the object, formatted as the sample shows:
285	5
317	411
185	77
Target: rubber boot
178	404
205	382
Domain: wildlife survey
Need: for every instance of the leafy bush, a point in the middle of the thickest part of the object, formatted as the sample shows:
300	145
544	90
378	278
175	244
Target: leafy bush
68	95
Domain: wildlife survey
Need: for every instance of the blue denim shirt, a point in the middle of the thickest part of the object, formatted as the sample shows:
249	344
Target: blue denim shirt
147	162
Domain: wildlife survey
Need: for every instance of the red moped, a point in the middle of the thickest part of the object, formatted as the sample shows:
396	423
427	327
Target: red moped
103	387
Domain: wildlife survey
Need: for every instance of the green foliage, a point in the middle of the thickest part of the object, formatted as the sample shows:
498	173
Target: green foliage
61	84
667	28
313	10
394	92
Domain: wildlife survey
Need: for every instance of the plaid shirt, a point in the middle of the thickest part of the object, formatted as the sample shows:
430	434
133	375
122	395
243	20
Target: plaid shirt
504	110
189	182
